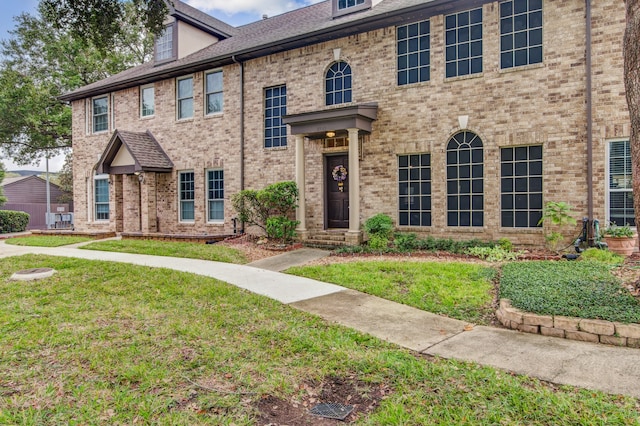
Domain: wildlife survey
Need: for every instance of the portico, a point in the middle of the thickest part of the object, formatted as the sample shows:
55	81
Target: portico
352	122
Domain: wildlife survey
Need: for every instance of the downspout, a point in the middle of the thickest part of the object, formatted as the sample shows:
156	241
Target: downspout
241	64
589	105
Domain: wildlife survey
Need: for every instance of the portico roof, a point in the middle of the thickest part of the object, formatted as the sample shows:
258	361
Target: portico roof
330	120
133	152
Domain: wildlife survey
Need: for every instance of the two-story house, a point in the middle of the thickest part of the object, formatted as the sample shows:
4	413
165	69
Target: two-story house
457	118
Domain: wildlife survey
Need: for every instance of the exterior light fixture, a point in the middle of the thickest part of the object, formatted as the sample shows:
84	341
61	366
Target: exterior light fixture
331	134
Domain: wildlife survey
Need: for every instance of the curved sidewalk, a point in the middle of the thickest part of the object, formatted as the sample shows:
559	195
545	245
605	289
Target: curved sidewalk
594	366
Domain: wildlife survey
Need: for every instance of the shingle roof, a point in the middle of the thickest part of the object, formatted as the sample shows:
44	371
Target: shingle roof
143	147
300	27
199	18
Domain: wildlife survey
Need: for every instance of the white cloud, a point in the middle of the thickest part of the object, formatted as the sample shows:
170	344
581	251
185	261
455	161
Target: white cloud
252	7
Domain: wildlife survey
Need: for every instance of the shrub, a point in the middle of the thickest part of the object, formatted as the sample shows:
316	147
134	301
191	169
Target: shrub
604	256
378	242
405	241
492	254
11	221
380	225
281	228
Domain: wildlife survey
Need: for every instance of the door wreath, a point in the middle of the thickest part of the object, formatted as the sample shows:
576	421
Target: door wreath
339	174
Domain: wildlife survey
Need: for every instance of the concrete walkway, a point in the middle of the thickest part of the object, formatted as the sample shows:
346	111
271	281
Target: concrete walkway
610	369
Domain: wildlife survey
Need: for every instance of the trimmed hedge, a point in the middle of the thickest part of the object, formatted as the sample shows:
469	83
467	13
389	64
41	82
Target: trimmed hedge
11	221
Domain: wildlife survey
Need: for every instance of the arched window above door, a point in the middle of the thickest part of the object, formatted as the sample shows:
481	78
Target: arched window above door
338	84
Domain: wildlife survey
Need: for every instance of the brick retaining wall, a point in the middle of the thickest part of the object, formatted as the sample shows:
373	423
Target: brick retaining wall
585	330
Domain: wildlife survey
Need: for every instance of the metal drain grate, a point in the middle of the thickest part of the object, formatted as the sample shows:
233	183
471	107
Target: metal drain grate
332	411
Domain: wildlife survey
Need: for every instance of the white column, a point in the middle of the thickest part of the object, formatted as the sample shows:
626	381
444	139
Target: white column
300	181
354	181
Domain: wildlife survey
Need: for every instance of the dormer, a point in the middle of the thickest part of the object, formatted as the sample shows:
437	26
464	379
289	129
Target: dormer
345	7
186	31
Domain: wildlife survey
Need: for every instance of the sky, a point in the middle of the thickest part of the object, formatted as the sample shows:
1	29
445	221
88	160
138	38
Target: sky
233	12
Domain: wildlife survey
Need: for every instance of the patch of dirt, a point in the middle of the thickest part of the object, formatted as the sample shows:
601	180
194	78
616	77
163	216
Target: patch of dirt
364	397
629	274
248	244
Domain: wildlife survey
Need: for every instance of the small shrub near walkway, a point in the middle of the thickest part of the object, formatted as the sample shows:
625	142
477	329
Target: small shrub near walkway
581	289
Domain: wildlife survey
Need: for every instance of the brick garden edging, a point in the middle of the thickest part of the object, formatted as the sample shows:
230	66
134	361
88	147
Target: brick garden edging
585	330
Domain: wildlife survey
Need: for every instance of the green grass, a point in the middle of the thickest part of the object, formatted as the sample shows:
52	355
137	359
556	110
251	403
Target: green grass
458	290
584	289
47	240
102	343
215	252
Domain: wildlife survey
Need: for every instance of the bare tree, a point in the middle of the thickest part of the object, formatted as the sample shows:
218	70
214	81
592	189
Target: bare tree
632	84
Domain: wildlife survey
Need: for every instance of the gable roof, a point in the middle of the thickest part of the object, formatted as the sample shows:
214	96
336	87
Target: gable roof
201	20
298	28
147	154
22	179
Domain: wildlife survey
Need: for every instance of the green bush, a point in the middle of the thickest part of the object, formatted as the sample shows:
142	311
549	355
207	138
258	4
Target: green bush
281	228
492	254
604	256
380	225
378	242
11	221
405	241
582	289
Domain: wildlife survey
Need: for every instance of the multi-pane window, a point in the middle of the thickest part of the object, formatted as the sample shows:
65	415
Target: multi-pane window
215	195
414	49
213	92
414	180
275	107
147	101
620	190
187	196
521	186
463	35
185	97
101	198
520	33
465	181
100	114
164	44
345	4
338	84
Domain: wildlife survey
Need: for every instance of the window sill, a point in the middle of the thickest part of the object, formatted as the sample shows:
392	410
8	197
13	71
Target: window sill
192	222
466	229
215	115
463	77
185	120
216	223
521	230
412	85
521	68
276	148
147	117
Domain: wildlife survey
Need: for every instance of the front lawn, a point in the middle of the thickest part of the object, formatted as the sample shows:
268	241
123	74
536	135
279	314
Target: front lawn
103	343
47	240
458	290
582	289
214	252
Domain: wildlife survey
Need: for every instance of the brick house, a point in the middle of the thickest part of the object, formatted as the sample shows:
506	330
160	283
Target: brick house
456	118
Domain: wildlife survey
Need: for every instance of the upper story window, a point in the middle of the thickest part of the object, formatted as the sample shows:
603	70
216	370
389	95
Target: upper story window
213	92
463	35
147	101
620	203
100	114
343	7
185	97
165	45
520	33
275	107
414	50
338	84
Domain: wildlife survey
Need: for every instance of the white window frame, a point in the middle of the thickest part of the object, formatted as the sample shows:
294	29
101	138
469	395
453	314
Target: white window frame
153	106
179	99
93	114
208	92
608	189
214	199
182	201
96	178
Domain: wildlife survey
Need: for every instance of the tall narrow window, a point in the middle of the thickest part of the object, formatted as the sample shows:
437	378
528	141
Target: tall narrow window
187	197
185	98
275	107
464	43
620	191
521	186
414	180
164	44
414	49
215	195
338	84
465	180
520	33
147	101
100	114
213	92
101	198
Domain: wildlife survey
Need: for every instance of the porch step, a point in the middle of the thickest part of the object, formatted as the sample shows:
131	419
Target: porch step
326	239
